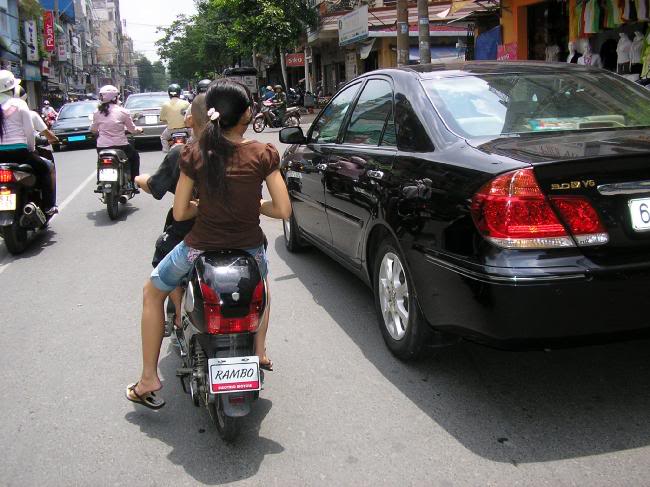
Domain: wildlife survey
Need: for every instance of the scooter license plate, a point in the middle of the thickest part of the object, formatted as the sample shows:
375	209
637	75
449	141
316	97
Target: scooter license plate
234	374
7	202
108	174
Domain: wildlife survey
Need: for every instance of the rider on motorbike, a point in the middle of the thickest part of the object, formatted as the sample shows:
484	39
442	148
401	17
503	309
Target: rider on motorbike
39	125
17	140
229	172
202	86
164	180
279	102
110	122
172	113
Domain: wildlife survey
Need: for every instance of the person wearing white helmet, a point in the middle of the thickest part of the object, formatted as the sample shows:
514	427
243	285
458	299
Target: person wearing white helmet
17	139
39	125
110	122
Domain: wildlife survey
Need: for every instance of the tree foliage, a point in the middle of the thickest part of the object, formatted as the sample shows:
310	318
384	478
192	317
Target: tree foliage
225	31
153	77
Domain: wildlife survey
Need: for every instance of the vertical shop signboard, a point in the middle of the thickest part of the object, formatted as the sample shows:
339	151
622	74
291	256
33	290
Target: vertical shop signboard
507	52
63	49
48	31
31	40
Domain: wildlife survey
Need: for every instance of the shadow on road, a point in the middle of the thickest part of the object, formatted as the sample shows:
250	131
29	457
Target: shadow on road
37	243
101	219
193	438
515	407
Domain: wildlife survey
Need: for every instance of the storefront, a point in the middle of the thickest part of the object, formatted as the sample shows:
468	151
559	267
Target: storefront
612	35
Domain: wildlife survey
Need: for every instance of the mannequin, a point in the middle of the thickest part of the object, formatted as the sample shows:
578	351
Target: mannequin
588	57
623	49
573	54
636	51
552	53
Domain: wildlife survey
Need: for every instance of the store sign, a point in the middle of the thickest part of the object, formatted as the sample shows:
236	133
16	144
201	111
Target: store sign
45	69
31	40
295	60
62	49
353	27
48	31
507	52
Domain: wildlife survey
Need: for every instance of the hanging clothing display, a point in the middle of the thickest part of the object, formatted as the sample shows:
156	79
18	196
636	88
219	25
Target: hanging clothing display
552	54
626	10
612	13
646	57
591	16
641	9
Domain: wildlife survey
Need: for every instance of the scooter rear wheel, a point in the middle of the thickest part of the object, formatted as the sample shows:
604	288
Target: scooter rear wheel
227	427
259	124
15	237
112	205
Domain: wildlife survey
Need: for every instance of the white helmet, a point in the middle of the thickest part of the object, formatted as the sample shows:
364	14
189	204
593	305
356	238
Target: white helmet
46	103
7	81
108	93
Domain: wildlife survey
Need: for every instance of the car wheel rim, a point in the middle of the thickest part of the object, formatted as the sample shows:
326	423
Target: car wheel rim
287	229
394	296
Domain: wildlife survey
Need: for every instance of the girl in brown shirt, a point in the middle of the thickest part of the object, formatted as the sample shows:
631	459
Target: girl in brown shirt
228	171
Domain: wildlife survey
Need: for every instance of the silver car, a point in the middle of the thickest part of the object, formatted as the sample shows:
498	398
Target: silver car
145	111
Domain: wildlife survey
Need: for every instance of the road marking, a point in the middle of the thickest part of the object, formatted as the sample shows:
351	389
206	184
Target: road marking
7	260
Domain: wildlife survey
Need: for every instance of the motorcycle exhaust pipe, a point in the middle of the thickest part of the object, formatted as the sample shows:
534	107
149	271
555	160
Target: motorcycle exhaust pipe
123	199
33	216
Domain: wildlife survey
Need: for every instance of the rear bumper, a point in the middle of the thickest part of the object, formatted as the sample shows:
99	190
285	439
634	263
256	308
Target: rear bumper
150	132
88	138
549	308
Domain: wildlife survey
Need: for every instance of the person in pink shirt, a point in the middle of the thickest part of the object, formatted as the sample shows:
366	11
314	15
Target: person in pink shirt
110	123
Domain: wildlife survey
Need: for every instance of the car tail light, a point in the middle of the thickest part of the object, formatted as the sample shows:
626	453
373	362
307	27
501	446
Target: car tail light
512	212
217	324
6	176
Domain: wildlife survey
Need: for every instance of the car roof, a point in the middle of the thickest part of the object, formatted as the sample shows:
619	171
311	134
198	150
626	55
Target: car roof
463	68
151	93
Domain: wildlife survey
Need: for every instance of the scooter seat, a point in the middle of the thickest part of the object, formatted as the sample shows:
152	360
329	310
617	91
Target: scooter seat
117	153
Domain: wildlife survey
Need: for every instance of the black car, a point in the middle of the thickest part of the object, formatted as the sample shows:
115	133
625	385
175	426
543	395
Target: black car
72	126
508	203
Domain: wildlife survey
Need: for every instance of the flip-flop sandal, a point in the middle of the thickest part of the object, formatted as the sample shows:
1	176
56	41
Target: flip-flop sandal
148	400
267	366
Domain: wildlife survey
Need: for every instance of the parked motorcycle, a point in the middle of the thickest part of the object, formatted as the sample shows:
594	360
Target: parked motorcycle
293	98
21	204
114	180
223	304
266	117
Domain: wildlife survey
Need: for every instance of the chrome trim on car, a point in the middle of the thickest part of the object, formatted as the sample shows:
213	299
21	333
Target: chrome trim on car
632	187
495	279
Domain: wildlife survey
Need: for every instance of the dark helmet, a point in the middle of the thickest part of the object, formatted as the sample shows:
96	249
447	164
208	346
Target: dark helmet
202	86
278	87
174	90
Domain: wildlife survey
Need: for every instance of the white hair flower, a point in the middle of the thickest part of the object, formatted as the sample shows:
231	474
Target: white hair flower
213	114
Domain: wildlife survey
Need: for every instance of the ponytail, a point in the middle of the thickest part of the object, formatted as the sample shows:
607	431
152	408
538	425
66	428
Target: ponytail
104	108
227	101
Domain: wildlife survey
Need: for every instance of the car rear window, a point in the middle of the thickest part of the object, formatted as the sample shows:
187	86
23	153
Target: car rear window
77	111
505	104
137	102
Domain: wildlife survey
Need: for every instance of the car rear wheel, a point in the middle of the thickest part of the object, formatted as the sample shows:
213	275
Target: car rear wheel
402	325
292	240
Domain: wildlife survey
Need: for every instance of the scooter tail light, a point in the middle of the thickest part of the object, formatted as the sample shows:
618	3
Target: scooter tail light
4	191
512	212
6	176
107	161
217	324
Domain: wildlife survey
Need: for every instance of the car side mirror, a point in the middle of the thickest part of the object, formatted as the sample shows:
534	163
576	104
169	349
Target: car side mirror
292	135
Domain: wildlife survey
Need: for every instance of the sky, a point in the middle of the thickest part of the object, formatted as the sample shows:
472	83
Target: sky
142	17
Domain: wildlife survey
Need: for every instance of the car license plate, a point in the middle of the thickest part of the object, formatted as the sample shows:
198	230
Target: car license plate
640	213
234	374
108	174
7	202
151	119
76	138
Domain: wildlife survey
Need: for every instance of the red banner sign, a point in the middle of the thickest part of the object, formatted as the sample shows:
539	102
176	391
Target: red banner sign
295	60
48	31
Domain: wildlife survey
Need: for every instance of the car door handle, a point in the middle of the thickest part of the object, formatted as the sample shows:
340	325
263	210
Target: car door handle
334	165
321	166
374	174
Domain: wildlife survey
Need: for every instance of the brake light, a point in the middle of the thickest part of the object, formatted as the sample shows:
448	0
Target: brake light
107	161
6	176
512	212
216	323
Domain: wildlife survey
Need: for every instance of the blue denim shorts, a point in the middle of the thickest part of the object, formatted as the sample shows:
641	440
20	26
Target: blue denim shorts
179	262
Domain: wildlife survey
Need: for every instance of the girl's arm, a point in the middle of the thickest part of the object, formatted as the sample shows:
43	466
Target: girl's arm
279	206
184	207
28	128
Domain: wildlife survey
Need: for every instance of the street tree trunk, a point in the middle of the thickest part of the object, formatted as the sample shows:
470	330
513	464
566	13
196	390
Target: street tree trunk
402	33
283	65
424	35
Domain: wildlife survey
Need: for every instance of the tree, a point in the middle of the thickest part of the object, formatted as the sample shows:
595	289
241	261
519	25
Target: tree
145	73
160	78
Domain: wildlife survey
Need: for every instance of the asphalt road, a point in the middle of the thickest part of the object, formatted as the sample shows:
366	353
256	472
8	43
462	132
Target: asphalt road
338	409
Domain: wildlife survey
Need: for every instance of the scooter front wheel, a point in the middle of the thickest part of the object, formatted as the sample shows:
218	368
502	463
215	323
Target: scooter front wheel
259	124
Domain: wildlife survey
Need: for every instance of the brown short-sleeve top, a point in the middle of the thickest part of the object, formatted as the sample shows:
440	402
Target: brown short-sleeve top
230	221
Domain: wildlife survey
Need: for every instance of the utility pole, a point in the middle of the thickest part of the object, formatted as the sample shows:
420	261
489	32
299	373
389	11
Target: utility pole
424	35
402	33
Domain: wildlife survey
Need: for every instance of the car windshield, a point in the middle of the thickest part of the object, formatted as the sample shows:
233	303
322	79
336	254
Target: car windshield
504	104
77	111
137	102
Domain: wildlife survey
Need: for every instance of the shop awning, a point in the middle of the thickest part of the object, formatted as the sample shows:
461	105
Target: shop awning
439	54
435	30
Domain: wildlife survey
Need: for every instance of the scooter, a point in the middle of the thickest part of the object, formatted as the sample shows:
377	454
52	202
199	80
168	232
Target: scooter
21	204
178	137
223	305
291	118
114	180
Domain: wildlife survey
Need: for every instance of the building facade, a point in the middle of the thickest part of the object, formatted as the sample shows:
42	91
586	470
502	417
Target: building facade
108	39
